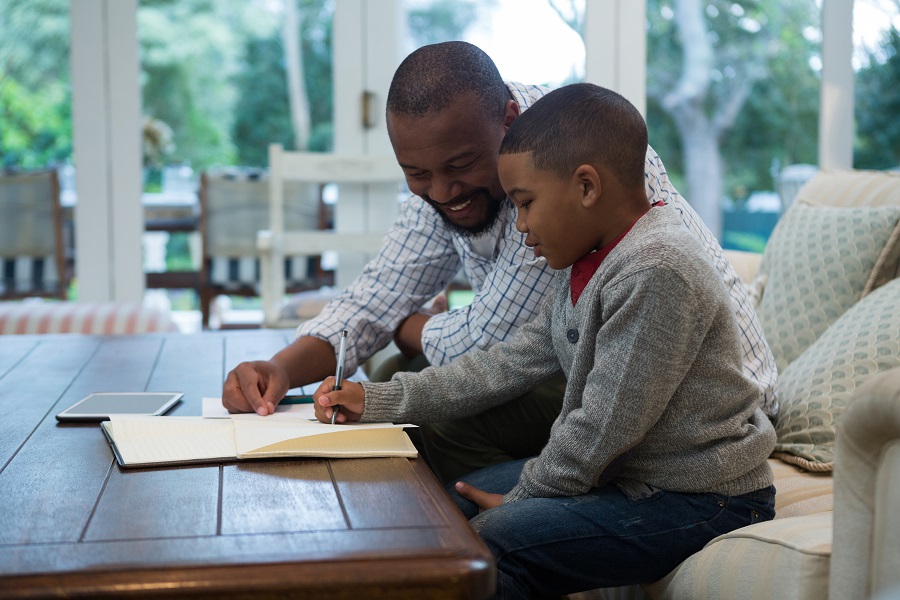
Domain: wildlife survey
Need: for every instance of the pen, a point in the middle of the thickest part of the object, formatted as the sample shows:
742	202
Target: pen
339	374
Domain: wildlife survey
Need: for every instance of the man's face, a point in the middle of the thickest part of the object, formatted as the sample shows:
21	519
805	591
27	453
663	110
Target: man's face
450	161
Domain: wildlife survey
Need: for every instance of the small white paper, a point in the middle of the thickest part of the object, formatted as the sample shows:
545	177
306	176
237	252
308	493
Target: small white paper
213	409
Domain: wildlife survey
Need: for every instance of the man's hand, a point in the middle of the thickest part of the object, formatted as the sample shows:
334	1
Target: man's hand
484	500
408	336
256	386
351	398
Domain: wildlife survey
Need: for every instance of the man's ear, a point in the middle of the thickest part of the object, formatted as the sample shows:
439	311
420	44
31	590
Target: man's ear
511	114
588	180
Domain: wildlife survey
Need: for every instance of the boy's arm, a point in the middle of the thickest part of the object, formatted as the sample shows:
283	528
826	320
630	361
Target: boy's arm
628	386
470	384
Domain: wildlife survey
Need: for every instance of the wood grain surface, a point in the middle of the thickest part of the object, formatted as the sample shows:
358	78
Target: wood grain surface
73	524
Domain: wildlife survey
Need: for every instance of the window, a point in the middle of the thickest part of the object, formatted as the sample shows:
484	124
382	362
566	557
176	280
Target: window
876	63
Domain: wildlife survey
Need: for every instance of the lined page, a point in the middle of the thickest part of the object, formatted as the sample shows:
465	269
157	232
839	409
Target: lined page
144	440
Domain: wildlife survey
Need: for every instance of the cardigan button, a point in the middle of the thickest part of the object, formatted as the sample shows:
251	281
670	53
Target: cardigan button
572	335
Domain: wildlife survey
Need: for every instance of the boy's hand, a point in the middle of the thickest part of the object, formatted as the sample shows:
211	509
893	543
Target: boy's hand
484	500
351	398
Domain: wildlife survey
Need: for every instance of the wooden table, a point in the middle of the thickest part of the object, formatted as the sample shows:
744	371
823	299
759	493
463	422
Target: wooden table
73	524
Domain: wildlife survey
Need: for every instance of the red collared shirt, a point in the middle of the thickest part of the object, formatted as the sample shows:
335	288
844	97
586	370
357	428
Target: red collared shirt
585	267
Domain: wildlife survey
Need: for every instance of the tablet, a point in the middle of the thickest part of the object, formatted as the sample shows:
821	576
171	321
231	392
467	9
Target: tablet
100	405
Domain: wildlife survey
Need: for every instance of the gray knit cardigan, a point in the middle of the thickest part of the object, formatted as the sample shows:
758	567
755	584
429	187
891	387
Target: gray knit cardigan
656	390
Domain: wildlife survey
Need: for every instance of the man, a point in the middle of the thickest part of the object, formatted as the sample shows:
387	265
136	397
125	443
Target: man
447	112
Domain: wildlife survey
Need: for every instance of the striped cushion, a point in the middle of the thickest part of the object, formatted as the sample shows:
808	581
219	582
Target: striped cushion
81	317
746	563
800	492
785	558
28	274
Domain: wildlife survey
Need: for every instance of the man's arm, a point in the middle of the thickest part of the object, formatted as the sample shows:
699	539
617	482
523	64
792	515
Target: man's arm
416	261
510	293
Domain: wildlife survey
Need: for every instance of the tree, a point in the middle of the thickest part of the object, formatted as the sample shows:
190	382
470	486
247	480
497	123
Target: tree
443	20
722	50
262	112
709	64
877	106
297	100
35	98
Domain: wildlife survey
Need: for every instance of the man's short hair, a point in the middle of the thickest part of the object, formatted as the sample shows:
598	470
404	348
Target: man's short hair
433	76
582	123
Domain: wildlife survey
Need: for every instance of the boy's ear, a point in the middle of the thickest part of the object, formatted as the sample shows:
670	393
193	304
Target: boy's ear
588	180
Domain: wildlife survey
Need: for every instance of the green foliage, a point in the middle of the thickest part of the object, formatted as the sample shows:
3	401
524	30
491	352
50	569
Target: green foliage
778	122
34	42
877	106
262	114
441	21
35	101
35	128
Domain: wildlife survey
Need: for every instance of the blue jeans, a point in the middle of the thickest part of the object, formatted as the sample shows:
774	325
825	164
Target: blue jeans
620	534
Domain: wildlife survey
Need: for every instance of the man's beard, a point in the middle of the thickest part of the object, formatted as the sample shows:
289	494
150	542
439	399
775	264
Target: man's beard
493	211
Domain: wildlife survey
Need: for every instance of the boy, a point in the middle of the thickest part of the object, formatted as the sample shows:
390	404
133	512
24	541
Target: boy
660	445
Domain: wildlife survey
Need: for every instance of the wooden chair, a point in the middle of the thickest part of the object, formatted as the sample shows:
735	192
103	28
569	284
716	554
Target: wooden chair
32	250
234	206
363	181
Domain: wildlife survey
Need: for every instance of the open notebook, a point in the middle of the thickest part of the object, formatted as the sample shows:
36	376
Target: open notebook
142	441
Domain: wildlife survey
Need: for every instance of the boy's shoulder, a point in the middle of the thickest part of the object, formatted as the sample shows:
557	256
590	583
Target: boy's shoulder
660	238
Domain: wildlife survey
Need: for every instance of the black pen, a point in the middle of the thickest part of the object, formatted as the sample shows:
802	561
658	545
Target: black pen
339	374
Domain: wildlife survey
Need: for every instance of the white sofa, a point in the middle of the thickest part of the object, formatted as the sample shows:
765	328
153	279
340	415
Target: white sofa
828	296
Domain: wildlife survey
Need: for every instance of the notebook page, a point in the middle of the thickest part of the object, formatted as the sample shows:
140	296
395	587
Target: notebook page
142	439
285	436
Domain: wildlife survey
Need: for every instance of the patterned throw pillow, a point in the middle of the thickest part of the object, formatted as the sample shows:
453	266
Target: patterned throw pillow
819	262
816	389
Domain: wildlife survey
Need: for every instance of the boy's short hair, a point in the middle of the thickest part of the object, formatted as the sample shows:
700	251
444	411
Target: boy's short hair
582	123
433	76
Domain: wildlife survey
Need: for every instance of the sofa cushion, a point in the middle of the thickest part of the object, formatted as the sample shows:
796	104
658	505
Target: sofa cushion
799	492
819	262
785	558
816	388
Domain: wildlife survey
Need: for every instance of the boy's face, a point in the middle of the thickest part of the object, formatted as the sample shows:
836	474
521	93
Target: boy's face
549	211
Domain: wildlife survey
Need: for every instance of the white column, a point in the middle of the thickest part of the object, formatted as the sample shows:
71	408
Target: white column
615	43
836	118
106	138
367	48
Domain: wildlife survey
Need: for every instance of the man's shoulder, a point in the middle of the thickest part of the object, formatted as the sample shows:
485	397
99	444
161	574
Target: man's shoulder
524	94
